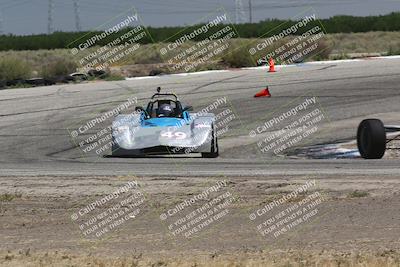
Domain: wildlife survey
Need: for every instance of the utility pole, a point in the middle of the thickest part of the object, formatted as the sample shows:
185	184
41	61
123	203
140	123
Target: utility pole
1	23
50	27
77	16
239	12
250	12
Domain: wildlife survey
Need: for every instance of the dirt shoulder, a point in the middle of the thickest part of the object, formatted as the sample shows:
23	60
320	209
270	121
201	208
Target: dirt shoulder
313	219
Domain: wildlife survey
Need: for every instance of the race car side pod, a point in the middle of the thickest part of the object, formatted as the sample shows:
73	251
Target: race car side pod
271	65
265	92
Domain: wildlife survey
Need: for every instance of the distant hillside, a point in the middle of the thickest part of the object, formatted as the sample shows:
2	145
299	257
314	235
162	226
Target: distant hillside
337	24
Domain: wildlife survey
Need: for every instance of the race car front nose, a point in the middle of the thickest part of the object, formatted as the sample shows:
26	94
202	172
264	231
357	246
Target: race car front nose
123	136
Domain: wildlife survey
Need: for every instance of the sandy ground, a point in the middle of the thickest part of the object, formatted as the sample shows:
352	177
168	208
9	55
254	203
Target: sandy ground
356	216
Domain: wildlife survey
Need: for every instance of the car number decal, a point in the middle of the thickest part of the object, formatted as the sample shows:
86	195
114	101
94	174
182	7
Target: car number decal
176	135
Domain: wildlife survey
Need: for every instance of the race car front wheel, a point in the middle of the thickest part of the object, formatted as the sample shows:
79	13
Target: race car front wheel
214	153
371	139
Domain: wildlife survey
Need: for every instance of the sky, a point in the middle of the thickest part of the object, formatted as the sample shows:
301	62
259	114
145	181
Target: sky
22	17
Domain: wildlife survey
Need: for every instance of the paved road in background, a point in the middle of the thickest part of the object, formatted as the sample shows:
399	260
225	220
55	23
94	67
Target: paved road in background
35	123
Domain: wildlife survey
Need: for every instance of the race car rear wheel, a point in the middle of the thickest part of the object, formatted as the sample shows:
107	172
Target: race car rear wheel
371	139
214	153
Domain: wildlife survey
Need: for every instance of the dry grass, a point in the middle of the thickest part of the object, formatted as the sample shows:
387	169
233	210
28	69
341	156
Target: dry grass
273	259
57	66
12	67
358	194
149	60
9	197
370	42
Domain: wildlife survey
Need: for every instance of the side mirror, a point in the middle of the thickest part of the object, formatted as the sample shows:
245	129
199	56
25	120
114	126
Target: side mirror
139	109
187	108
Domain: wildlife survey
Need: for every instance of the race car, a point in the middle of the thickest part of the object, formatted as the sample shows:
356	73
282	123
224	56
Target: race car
164	127
372	138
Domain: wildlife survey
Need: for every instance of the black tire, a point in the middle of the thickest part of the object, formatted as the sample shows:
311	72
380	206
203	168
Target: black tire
371	139
117	151
214	153
114	150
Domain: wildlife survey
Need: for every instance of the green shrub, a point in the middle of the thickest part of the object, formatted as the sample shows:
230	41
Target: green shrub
238	56
357	193
13	68
147	54
114	77
58	67
323	51
9	197
266	28
393	51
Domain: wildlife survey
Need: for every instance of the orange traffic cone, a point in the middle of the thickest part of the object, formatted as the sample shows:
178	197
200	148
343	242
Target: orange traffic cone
265	92
271	65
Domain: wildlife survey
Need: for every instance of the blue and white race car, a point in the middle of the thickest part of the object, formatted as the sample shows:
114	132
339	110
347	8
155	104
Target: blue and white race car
164	127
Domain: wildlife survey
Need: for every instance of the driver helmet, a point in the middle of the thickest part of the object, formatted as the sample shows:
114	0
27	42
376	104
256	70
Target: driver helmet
165	110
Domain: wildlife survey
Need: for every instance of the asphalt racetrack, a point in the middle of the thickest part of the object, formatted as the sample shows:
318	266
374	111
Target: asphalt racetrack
59	197
35	123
